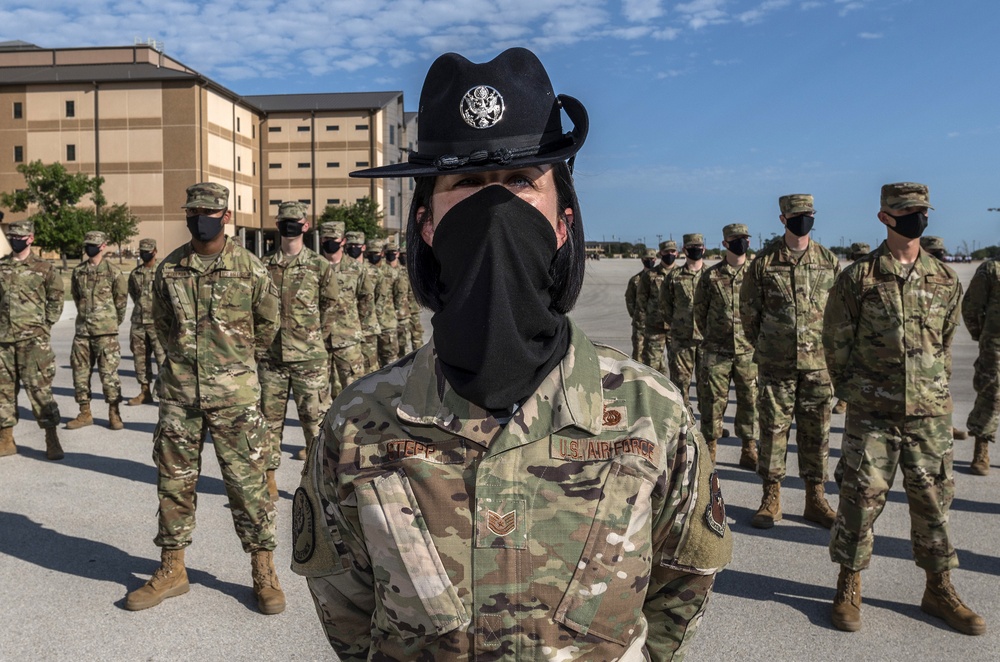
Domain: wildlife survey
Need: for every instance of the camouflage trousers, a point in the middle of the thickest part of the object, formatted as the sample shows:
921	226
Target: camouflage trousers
638	343
309	384
683	364
654	344
404	338
145	346
106	353
388	347
33	363
346	365
985	414
240	438
369	349
874	444
416	330
714	374
804	395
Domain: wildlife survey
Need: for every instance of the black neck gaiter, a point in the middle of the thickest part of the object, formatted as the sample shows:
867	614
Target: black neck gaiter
496	335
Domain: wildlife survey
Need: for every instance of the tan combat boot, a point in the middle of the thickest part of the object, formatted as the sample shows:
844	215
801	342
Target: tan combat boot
941	600
144	397
83	419
53	450
748	455
770	506
980	458
270	597
301	455
114	417
7	445
847	603
959	434
712	446
839	408
817	509
272	486
169	580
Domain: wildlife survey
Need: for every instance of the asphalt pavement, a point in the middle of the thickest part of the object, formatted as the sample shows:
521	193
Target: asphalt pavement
76	536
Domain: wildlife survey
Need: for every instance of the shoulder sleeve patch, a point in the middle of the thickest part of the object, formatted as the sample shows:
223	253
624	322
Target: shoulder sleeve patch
707	544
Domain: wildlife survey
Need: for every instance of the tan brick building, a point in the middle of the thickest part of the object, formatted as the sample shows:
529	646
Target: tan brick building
150	126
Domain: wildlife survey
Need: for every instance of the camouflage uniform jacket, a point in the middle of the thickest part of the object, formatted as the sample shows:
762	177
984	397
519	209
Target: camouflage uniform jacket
717	309
401	293
385	300
677	306
981	307
637	314
307	291
887	334
368	295
101	297
782	302
140	288
214	322
346	318
647	297
552	537
31	298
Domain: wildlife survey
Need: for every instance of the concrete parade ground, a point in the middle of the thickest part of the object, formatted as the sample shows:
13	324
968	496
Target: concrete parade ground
77	535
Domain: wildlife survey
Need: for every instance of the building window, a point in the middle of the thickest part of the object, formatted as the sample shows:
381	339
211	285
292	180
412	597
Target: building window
361	164
392	206
303	128
18	110
307	201
304	165
274	129
237	124
254	166
411	183
273	166
361	127
333	201
274	202
239	164
70	109
333	127
18	154
255	205
333	164
253	131
392	135
71	152
239	202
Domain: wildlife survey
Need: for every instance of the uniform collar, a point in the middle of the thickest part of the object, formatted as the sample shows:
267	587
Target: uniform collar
923	265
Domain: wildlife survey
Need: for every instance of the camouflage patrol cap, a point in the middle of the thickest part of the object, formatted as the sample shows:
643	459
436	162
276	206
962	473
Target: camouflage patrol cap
147	244
355	237
21	228
207	195
391	245
796	204
332	230
905	194
375	245
95	238
669	245
932	244
735	230
859	248
650	253
693	240
291	210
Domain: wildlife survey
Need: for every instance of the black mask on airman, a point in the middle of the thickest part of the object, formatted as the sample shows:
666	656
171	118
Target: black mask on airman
669	258
145	256
204	228
912	225
353	250
18	244
331	246
290	228
738	246
648	262
374	258
800	225
92	250
695	252
391	255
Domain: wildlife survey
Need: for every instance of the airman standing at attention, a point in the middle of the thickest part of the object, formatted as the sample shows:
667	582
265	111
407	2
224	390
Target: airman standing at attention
981	312
387	342
400	297
859	249
367	309
726	354
297	360
31	301
781	306
100	291
638	314
647	298
347	363
142	338
416	328
887	336
677	309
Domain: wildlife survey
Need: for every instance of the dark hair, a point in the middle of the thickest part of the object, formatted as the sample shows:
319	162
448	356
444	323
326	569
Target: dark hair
567	266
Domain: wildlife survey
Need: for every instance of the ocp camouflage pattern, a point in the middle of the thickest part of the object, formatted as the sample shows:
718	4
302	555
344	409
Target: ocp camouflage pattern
31	298
101	297
981	312
308	291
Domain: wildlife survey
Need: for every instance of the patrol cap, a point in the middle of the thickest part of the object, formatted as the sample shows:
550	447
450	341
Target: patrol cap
693	240
207	195
905	194
375	245
332	230
669	245
859	248
147	244
291	210
650	253
95	237
796	204
355	237
21	228
932	244
735	230
391	245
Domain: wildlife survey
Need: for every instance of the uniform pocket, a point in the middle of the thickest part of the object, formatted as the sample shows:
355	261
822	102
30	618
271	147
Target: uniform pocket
608	588
415	596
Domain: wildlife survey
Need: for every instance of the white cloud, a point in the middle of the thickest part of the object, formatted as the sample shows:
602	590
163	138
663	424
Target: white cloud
870	35
700	13
810	4
640	11
756	14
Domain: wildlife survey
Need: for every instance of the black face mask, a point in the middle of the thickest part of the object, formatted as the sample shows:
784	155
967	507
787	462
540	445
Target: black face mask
18	244
374	258
290	228
402	259
800	225
391	255
145	256
912	225
694	253
331	246
496	334
669	258
353	250
204	228
738	246
938	254
648	263
92	250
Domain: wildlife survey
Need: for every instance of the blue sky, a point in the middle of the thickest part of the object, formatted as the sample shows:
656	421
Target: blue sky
702	112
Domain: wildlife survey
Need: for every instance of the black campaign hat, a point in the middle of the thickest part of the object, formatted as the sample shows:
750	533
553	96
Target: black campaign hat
497	115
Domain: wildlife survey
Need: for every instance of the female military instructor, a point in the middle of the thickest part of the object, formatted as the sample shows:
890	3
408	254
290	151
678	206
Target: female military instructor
510	489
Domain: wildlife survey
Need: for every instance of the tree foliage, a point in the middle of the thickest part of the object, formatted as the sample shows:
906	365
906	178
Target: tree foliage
987	253
119	224
363	215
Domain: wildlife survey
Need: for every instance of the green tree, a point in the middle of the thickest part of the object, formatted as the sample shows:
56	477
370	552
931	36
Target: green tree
363	215
119	224
54	193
